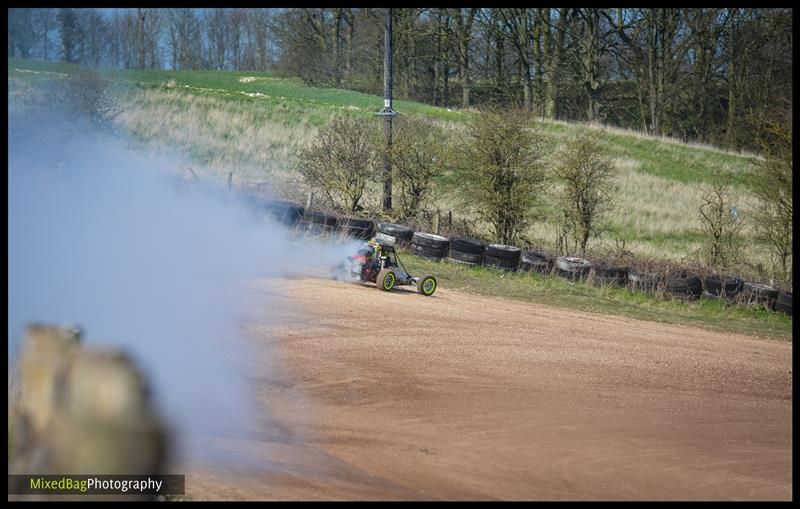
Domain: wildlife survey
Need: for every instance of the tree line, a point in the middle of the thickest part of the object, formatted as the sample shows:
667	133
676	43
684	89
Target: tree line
713	75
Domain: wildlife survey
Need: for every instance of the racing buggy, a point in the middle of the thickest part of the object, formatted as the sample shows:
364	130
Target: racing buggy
378	263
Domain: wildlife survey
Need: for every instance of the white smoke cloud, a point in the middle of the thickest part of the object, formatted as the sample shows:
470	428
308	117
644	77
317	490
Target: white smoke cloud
109	239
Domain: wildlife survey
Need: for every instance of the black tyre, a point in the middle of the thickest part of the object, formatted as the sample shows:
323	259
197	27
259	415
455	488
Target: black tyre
504	252
430	240
610	275
754	293
402	234
468	258
572	267
645	281
499	263
319	222
722	287
426	285
688	287
317	217
356	228
467	246
783	303
385	238
427	252
386	280
531	261
284	212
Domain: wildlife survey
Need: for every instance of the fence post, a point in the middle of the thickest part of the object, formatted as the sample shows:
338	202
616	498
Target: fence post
230	179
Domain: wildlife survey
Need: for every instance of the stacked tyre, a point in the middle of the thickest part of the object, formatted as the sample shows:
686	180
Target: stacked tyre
572	267
393	233
783	303
355	228
428	245
687	287
319	223
645	281
754	293
604	275
715	287
466	251
533	261
501	256
284	212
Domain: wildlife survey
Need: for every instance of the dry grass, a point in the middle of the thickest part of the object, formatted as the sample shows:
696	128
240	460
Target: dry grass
219	135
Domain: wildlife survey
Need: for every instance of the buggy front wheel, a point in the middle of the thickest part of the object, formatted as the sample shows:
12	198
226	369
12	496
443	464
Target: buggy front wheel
386	280
426	285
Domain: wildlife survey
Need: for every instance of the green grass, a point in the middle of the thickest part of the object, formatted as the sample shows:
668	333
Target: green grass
708	314
685	163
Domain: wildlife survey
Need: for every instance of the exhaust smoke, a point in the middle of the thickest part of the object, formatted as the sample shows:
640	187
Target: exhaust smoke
110	239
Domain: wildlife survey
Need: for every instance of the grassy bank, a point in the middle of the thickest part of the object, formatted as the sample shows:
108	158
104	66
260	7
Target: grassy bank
251	124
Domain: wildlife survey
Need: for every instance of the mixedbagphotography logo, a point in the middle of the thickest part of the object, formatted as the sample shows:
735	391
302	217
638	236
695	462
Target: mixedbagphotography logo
96	484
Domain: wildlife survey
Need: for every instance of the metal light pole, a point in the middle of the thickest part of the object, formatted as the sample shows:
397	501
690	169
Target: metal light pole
387	112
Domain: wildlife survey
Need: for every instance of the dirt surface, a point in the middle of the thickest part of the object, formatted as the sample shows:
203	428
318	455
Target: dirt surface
376	395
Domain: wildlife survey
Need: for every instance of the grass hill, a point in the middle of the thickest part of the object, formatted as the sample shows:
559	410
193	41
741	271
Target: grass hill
251	123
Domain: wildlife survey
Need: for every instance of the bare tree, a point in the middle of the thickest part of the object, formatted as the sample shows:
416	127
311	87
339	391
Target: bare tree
554	47
21	32
420	152
464	19
68	27
519	23
720	224
586	176
341	161
504	170
771	183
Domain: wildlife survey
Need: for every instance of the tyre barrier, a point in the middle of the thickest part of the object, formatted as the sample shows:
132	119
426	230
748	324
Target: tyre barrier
603	275
283	212
501	256
645	281
717	286
430	240
754	293
428	252
355	228
783	303
689	287
532	261
474	252
393	233
466	251
429	245
572	267
319	222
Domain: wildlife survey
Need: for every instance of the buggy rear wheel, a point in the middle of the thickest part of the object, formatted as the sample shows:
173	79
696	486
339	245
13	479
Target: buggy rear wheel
386	280
426	285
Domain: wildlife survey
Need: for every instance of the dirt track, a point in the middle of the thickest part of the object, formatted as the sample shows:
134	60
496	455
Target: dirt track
396	396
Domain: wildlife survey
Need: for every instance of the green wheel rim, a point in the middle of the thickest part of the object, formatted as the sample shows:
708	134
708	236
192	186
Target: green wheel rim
428	286
388	281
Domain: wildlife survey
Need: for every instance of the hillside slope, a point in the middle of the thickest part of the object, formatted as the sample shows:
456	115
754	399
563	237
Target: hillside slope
251	123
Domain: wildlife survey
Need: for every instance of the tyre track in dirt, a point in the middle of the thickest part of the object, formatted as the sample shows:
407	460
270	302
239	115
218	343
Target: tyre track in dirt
391	395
